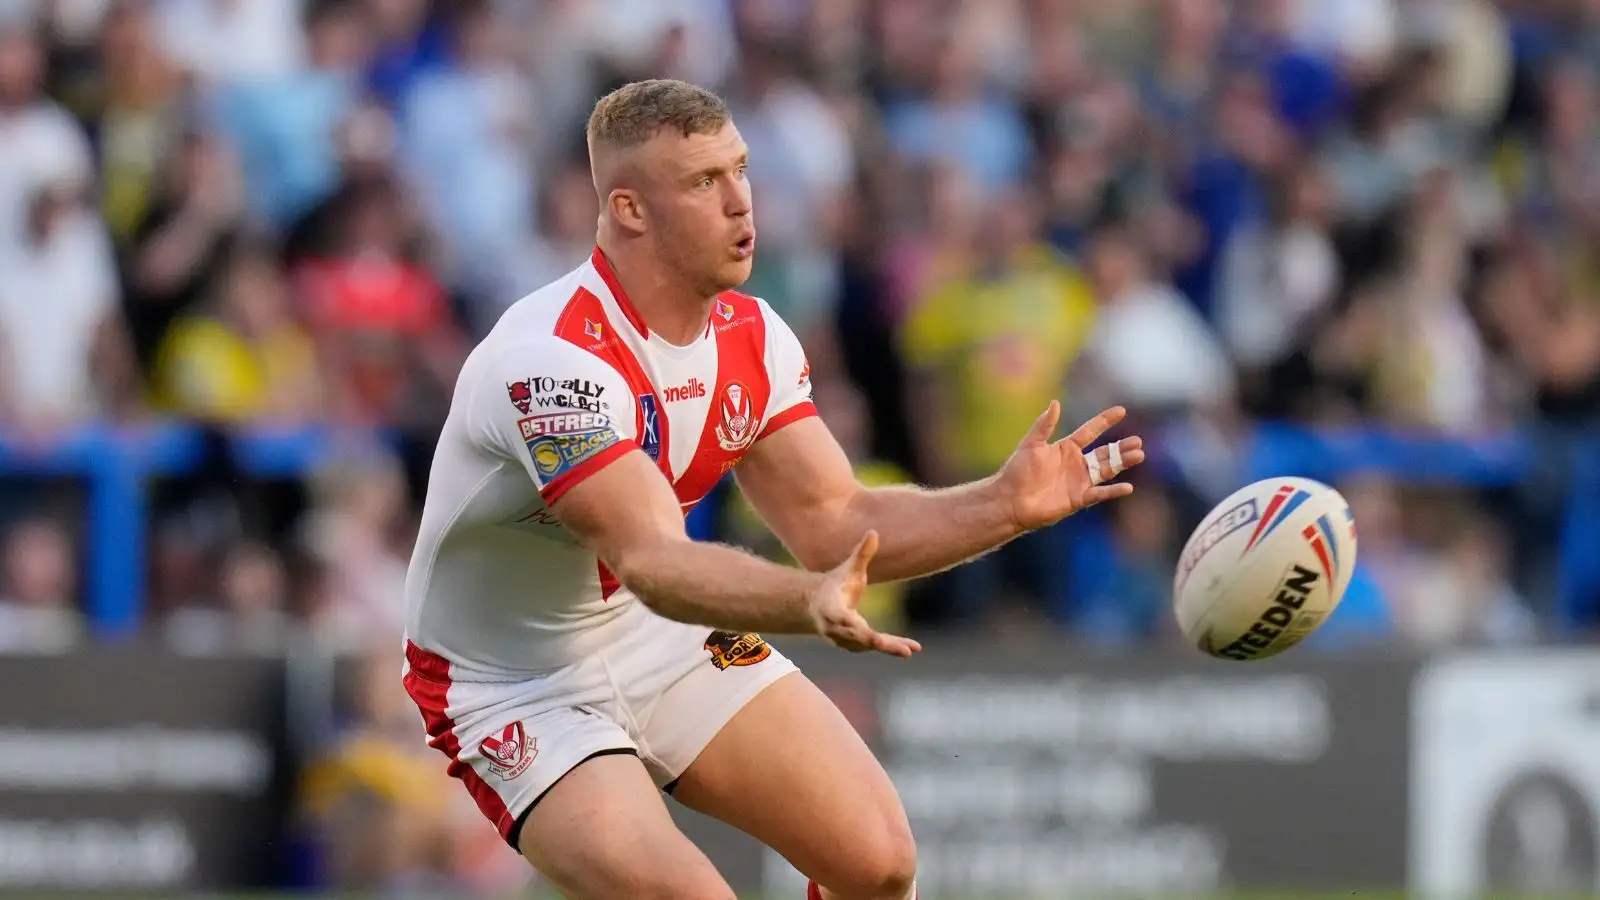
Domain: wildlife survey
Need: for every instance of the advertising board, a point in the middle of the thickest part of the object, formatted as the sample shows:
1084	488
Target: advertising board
126	770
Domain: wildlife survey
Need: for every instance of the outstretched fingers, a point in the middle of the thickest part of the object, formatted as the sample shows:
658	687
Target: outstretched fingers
894	645
1045	425
1110	460
861	558
1090	431
1102	493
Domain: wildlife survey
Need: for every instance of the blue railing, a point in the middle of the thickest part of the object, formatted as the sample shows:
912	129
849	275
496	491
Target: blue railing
117	464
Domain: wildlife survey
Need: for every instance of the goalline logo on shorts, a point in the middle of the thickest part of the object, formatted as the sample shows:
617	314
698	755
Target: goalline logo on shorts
739	424
511	752
729	649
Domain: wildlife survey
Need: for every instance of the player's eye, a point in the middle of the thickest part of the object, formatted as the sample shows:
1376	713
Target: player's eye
743	168
705	183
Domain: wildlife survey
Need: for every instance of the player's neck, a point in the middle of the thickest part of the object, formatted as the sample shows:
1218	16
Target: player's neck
671	309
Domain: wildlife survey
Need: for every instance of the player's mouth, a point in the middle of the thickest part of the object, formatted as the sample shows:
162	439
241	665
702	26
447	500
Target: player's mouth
745	246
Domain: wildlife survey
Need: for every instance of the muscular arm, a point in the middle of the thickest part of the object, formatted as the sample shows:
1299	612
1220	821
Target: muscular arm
803	486
569	422
628	515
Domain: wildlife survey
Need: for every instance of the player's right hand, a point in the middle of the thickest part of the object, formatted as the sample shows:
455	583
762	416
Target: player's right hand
834	607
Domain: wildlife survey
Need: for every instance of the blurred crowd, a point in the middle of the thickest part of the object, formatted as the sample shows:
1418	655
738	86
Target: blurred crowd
256	214
275	213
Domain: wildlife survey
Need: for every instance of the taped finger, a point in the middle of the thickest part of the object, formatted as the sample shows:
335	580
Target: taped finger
1105	463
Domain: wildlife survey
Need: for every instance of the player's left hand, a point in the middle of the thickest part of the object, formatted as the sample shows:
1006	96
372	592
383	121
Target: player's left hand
1047	481
834	607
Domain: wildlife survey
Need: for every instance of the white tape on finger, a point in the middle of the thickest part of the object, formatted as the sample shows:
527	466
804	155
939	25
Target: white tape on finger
1113	461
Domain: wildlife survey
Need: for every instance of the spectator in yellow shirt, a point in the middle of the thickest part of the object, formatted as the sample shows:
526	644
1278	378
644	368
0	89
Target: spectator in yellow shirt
993	345
989	349
244	358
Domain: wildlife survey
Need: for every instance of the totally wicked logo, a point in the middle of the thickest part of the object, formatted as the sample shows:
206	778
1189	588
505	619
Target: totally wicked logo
521	395
583	387
558	393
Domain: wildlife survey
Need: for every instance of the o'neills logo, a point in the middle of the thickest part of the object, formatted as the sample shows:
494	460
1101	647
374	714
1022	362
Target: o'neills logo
691	391
729	649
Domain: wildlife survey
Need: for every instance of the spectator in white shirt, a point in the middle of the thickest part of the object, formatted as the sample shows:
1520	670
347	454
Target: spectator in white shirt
64	355
221	41
1150	347
35	133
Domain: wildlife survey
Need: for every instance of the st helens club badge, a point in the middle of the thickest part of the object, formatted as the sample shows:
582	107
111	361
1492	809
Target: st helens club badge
511	752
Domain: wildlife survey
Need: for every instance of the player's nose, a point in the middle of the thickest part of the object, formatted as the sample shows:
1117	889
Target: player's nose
738	204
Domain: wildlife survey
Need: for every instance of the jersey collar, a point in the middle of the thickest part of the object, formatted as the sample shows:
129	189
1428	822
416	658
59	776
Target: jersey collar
609	276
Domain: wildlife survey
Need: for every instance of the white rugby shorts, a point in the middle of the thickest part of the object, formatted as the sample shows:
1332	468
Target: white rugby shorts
659	689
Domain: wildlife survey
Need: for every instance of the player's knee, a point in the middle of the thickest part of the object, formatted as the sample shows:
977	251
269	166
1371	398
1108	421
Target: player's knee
884	865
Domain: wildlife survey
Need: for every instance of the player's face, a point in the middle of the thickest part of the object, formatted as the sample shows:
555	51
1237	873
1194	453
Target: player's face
702	222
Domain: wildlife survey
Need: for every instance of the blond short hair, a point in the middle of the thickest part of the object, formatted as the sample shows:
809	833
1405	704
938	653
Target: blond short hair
634	113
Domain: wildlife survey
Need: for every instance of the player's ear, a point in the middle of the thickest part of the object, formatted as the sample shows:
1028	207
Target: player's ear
626	209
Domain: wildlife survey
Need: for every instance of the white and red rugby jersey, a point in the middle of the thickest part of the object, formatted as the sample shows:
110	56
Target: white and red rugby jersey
568	381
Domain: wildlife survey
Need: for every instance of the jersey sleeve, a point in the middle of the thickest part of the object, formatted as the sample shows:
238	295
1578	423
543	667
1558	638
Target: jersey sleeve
790	372
561	412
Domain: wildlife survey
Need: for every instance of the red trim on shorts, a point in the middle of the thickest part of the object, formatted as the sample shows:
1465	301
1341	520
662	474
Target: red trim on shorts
428	683
805	409
609	276
566	481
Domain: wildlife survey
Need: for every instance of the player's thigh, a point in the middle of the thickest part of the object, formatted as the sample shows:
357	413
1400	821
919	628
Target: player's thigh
789	770
563	784
603	832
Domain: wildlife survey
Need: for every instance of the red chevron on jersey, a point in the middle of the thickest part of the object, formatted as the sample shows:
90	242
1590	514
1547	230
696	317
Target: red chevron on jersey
574	326
740	398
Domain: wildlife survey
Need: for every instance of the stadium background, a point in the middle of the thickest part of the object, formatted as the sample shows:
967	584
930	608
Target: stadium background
244	245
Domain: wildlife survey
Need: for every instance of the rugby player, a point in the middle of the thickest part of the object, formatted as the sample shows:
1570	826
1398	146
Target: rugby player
572	651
